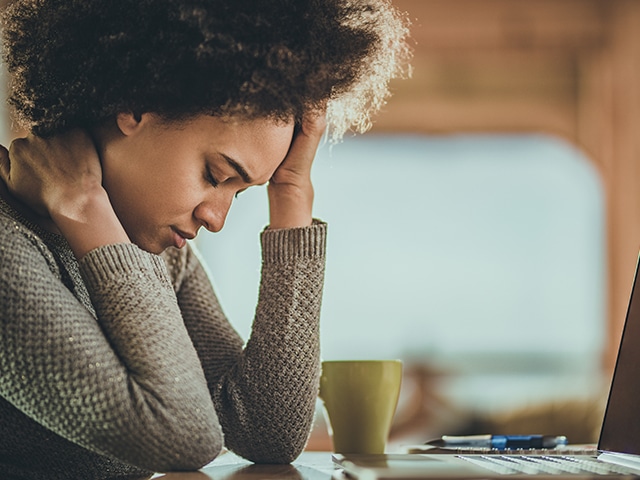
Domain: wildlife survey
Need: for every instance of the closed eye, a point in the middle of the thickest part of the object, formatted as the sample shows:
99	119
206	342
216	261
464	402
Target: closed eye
210	178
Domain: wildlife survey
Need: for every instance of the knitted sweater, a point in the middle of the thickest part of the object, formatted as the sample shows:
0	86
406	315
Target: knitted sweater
123	364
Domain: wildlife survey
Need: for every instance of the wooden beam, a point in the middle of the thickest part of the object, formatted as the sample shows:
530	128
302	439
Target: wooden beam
474	24
620	157
532	91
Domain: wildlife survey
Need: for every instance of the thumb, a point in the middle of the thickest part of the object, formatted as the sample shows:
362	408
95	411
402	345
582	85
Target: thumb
5	164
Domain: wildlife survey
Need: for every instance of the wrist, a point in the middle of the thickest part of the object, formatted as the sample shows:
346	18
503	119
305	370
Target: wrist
75	202
289	206
88	221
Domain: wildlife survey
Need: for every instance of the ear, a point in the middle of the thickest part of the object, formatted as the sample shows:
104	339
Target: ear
129	122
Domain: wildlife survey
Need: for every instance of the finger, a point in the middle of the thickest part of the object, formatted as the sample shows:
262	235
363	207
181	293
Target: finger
16	147
5	164
305	143
314	123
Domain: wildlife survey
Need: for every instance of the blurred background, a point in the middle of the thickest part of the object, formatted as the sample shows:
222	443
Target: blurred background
486	230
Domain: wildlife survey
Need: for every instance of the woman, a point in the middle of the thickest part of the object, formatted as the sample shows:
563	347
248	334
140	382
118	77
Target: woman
145	119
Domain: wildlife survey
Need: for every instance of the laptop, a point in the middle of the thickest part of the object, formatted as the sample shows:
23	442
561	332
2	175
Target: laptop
617	454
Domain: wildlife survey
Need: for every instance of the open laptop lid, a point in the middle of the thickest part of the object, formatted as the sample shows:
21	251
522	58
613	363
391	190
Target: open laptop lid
621	425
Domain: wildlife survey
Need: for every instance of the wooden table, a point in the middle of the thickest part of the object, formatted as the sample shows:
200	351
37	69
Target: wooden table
309	466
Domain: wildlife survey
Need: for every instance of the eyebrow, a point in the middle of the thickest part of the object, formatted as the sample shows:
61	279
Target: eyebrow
238	168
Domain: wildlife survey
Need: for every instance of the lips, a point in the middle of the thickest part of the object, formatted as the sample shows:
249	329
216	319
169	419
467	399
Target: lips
180	238
188	236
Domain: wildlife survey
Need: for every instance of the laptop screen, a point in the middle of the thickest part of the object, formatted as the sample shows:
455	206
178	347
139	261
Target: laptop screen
621	425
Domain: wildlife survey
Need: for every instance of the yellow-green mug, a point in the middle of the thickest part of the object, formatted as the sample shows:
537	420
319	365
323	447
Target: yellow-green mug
360	399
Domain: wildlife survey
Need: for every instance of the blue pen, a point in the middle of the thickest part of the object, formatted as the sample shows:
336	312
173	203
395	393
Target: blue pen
500	442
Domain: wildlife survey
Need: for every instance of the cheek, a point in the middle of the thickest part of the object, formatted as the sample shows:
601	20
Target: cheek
158	180
170	191
142	193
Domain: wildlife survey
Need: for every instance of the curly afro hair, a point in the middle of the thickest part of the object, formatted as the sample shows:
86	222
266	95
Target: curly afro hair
77	63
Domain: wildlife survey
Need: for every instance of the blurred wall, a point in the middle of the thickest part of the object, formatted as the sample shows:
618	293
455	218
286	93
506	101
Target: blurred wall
569	68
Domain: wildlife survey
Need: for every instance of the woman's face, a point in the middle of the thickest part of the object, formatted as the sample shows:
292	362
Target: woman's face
166	180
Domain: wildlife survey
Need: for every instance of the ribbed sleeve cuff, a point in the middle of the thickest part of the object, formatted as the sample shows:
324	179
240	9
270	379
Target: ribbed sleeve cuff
102	264
294	243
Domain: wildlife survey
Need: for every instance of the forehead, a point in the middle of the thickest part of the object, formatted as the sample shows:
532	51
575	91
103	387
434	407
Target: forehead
258	145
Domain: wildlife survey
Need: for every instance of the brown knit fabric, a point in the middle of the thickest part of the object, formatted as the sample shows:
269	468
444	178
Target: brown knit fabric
124	364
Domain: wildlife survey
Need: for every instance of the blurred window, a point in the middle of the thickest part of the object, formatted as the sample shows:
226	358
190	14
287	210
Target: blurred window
482	252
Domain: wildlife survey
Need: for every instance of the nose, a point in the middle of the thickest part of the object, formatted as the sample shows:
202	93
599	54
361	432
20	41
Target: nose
212	214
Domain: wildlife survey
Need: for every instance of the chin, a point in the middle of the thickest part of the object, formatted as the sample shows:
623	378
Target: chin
147	246
155	251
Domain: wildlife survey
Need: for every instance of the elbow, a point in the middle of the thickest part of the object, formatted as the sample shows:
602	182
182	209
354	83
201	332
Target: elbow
192	460
286	455
265	441
165	434
190	455
170	446
271	454
281	458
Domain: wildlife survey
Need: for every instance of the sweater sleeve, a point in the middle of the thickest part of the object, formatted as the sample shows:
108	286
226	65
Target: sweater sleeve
126	383
264	393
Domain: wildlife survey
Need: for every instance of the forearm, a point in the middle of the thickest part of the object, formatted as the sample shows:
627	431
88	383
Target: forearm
124	375
290	206
266	404
165	390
